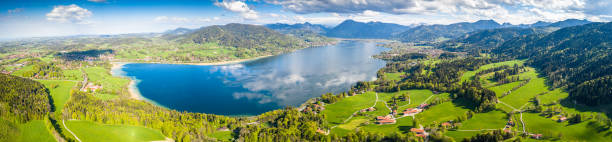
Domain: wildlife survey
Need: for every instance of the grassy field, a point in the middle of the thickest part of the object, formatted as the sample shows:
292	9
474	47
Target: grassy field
339	111
393	76
109	83
584	131
403	125
60	92
441	113
92	132
553	96
222	135
35	131
469	75
416	98
460	135
501	89
524	94
489	120
73	75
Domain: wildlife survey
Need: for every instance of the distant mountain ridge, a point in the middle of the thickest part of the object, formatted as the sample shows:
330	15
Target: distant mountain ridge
354	29
298	28
429	33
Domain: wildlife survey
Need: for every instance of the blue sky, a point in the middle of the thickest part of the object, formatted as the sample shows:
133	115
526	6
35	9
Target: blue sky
34	18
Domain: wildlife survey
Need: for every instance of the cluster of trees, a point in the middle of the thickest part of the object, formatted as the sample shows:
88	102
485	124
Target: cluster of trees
180	126
22	99
502	76
82	55
409	56
43	70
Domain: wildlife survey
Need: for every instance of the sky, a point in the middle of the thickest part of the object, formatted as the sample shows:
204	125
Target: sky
41	18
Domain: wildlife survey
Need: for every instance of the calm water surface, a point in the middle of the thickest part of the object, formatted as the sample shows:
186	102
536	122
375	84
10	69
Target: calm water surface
257	86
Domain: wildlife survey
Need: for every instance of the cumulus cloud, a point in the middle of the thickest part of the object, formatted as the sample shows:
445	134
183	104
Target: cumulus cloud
68	14
238	7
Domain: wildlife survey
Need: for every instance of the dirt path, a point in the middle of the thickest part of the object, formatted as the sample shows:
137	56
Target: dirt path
77	138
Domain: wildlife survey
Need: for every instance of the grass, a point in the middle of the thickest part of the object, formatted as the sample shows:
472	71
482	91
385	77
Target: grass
524	94
73	75
501	89
91	132
553	96
416	98
469	75
441	113
393	76
354	123
222	135
403	125
460	135
339	111
102	76
23	70
35	131
60	93
488	120
584	131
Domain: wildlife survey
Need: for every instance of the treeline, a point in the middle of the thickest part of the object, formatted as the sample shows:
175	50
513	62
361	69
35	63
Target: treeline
22	99
493	136
180	126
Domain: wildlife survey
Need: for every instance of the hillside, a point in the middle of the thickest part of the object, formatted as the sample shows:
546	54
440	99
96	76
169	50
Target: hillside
354	29
429	33
298	28
486	39
572	57
243	36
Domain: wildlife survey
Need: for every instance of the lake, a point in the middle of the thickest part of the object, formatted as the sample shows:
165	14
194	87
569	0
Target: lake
257	86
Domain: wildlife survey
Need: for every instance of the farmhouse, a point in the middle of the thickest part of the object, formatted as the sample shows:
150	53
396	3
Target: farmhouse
411	111
423	106
535	136
92	87
562	119
384	120
417	131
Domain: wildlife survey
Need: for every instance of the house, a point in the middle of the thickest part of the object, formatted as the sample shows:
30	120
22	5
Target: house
386	121
423	106
562	119
319	130
319	107
446	124
371	109
394	112
91	87
417	131
510	123
411	111
535	136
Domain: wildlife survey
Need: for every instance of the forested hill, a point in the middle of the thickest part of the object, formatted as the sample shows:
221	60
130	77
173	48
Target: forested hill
354	29
431	33
22	99
574	57
437	32
242	36
487	39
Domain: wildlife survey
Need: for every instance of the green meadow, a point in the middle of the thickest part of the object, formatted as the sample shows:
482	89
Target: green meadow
341	110
93	132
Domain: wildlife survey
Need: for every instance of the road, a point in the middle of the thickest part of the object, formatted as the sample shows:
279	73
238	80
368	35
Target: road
77	138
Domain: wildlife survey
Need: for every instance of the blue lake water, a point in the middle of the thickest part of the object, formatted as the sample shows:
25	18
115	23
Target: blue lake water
254	87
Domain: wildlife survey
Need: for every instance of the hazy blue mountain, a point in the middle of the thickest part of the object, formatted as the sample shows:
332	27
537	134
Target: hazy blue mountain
569	23
177	31
354	29
487	39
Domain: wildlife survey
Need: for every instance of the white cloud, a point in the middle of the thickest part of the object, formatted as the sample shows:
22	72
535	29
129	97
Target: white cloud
69	13
16	10
238	7
98	1
512	11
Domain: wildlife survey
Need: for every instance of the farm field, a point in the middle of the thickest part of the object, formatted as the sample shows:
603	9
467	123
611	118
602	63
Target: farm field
91	132
35	131
60	92
339	111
